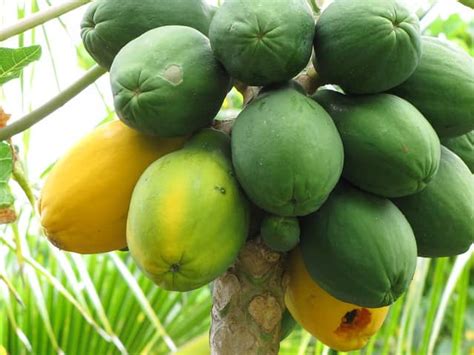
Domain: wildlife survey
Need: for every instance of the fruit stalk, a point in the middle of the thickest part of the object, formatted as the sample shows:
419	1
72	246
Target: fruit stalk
248	303
39	18
62	98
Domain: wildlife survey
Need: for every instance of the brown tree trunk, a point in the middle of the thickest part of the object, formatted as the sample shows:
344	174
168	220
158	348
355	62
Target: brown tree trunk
248	303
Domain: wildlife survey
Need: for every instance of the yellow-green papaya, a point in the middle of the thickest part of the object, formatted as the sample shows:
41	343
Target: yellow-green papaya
85	199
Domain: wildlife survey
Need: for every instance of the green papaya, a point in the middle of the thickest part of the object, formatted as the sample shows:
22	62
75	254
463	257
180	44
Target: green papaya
261	42
286	152
366	46
280	233
167	82
359	248
108	25
442	215
288	324
390	149
442	87
463	146
188	218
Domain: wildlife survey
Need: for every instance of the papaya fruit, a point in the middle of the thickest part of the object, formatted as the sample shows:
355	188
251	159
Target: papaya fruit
359	248
280	233
288	324
366	46
463	147
442	215
441	87
261	42
390	149
168	95
340	325
286	152
85	199
188	218
108	25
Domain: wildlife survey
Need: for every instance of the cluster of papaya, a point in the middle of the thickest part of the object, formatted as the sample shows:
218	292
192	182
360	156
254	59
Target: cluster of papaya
353	180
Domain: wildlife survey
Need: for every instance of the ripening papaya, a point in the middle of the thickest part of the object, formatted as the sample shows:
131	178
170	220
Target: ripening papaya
85	199
340	325
188	218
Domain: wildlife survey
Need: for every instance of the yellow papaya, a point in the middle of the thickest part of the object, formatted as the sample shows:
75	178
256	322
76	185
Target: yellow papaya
85	199
341	326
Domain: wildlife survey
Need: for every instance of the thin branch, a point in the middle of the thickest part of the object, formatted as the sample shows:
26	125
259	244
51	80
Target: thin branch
62	98
40	18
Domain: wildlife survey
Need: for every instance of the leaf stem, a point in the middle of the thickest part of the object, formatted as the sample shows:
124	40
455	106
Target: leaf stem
40	18
62	98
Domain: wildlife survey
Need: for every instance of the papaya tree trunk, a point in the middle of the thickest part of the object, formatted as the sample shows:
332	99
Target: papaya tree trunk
248	303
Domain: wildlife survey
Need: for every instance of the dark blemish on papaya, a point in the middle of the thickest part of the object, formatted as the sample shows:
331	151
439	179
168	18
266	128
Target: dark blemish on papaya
173	74
354	321
405	149
220	189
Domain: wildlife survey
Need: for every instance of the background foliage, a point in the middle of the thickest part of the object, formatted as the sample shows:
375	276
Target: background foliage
55	302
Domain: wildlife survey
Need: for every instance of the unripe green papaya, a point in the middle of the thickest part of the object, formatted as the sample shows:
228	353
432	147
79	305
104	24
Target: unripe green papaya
108	25
442	215
167	82
280	233
367	46
286	152
442	87
359	247
390	149
463	146
263	41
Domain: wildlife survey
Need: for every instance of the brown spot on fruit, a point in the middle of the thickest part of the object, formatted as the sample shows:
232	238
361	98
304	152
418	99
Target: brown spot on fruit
173	74
353	322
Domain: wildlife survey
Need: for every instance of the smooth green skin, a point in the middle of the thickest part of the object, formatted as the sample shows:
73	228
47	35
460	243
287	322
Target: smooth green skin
286	152
263	41
366	46
390	149
359	248
167	82
280	233
442	215
463	146
108	25
442	88
187	210
288	324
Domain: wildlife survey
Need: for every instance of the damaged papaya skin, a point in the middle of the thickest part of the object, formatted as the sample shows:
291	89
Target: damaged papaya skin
340	325
168	95
359	248
108	25
85	199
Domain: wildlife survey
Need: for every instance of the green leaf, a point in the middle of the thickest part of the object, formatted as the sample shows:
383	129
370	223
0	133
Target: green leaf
12	61
7	214
468	3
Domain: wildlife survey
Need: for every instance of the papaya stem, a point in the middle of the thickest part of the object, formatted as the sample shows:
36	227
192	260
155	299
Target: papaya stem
39	18
62	98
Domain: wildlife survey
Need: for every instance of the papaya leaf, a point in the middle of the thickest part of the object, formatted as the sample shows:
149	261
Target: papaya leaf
468	3
13	60
7	213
